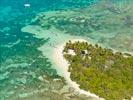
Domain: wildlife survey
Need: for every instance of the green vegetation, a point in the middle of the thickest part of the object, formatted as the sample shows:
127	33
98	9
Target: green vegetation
100	71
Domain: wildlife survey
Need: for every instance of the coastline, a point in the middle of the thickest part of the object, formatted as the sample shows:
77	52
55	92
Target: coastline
59	60
55	55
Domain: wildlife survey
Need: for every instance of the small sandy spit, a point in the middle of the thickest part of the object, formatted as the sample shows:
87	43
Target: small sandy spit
63	64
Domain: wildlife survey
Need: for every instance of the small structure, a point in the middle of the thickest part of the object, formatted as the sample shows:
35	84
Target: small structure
70	51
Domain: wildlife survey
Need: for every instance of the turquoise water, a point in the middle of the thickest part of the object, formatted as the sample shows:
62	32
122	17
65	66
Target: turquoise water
25	72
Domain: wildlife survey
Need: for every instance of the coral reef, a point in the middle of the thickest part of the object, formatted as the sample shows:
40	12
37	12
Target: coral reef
101	21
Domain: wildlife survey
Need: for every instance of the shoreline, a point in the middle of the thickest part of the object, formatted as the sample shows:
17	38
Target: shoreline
55	55
62	64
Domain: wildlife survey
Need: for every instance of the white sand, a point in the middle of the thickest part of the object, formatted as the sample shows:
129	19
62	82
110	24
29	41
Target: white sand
55	53
63	64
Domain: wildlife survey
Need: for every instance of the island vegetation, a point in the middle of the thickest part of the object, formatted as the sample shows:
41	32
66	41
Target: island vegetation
100	70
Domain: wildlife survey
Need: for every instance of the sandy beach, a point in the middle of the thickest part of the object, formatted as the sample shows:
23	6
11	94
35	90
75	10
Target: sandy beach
63	64
55	55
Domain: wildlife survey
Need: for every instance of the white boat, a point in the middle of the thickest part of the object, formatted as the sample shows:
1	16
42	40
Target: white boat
27	5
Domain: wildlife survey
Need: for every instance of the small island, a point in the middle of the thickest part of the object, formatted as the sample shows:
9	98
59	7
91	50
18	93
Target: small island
100	70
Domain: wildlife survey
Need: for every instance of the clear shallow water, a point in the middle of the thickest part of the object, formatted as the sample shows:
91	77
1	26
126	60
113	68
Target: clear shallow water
24	70
22	65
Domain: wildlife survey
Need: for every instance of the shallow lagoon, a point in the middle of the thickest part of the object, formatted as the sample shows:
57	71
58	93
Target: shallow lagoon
25	70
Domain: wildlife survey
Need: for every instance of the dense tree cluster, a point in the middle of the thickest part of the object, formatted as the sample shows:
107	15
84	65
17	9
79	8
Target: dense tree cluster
100	70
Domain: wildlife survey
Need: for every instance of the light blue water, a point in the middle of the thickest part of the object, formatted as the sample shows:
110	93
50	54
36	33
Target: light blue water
20	62
22	65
